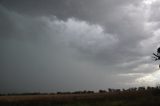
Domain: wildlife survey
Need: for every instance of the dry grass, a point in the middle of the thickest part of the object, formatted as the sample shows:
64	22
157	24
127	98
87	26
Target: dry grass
52	98
133	98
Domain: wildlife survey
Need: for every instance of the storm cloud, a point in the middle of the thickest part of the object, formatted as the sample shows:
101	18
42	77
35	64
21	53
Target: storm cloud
58	45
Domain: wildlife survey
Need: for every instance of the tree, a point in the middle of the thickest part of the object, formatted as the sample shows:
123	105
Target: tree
156	56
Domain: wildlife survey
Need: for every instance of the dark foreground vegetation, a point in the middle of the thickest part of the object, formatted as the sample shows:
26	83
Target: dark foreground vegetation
141	96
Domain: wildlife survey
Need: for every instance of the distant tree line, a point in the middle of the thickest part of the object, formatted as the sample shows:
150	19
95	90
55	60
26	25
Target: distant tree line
153	90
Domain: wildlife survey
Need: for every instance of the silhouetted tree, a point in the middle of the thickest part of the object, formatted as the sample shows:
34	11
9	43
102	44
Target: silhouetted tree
156	56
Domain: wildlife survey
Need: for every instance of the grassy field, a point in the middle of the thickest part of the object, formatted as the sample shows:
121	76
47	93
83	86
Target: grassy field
120	98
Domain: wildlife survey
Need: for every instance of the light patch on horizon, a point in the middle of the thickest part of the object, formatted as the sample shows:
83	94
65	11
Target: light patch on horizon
131	74
143	78
151	79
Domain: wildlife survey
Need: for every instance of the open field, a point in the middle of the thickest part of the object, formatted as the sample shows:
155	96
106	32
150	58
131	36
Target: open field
120	98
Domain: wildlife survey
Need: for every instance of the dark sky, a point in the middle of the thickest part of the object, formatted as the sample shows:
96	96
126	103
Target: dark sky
69	45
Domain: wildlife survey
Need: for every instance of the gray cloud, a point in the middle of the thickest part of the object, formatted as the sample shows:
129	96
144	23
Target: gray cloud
85	10
43	52
72	45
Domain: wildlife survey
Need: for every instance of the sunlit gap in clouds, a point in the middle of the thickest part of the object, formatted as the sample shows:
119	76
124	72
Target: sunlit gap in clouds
151	79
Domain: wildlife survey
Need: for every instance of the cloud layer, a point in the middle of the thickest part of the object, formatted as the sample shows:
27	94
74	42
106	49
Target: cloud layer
84	45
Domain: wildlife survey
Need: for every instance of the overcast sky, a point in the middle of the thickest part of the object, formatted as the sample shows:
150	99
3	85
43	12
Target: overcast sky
69	45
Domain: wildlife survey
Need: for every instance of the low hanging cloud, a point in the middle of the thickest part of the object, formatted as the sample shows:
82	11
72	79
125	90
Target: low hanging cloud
44	51
70	50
